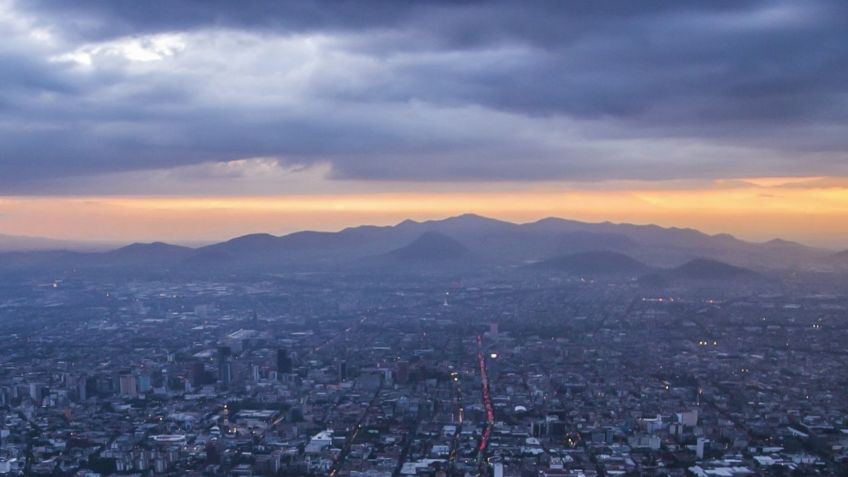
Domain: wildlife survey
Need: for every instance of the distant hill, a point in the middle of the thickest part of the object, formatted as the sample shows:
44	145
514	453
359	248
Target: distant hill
141	254
246	244
431	246
780	244
704	272
593	263
137	255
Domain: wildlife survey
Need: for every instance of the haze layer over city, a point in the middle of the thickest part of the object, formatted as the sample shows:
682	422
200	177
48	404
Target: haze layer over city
423	239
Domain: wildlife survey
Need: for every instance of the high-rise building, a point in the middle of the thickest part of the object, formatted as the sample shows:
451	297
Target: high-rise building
144	383
37	391
402	372
224	368
198	374
284	363
82	388
342	370
128	385
699	447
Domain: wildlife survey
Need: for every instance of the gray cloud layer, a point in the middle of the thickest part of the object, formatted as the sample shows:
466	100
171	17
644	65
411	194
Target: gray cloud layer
457	91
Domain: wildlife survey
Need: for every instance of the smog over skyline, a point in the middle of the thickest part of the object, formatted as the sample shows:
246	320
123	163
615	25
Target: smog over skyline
129	118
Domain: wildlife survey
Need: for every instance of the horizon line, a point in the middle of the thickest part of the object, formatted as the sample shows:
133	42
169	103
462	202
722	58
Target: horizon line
102	245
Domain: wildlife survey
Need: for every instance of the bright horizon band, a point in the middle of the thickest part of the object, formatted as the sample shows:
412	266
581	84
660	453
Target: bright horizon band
759	210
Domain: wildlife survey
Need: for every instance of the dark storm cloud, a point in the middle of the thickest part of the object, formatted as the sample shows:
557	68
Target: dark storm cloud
429	90
458	23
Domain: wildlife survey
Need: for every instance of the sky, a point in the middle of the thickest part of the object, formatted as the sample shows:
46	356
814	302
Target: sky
199	120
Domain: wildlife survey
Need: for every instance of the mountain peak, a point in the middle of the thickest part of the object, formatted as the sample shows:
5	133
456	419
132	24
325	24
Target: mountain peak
559	220
150	246
431	245
786	244
704	271
474	219
147	248
256	236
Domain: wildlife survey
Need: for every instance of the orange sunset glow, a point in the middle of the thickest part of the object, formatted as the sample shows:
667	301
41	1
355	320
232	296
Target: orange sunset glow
758	209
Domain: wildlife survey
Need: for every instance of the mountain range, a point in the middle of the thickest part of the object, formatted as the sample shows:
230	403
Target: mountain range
466	240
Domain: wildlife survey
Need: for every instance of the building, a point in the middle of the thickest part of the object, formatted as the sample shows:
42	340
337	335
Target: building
128	385
284	362
225	372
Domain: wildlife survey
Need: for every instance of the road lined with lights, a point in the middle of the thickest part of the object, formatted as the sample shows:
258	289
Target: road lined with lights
487	404
338	335
339	462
